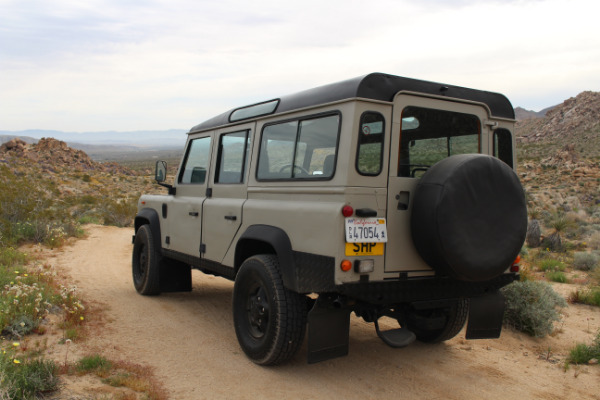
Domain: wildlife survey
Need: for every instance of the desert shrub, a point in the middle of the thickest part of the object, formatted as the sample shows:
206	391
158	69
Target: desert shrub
585	261
533	237
583	353
590	296
24	378
30	211
10	256
561	224
594	241
550	264
93	363
557	276
531	307
119	212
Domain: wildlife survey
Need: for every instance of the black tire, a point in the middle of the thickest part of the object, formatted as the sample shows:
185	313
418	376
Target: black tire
439	325
469	217
145	263
270	320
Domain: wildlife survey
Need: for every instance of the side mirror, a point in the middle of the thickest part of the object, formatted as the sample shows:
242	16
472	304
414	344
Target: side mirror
160	175
160	172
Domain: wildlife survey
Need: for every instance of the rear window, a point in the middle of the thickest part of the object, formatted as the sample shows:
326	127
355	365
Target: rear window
429	135
503	146
369	159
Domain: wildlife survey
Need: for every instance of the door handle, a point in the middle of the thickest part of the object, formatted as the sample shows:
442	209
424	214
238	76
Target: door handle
230	217
193	213
403	200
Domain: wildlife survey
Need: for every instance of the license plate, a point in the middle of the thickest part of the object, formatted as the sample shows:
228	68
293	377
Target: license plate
366	230
364	249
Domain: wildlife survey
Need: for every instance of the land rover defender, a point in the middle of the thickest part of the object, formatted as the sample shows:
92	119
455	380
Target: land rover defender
381	196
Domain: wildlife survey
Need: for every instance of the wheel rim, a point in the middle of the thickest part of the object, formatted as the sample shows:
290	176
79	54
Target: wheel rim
142	263
257	311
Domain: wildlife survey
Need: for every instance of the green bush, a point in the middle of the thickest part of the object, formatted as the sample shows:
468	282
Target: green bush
590	296
556	276
93	363
583	353
585	261
30	212
24	378
531	307
120	212
550	264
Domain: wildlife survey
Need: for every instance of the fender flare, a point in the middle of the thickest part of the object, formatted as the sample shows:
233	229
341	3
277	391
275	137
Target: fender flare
150	217
260	238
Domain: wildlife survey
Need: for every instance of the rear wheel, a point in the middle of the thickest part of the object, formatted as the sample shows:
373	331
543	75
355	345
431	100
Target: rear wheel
269	319
438	325
145	263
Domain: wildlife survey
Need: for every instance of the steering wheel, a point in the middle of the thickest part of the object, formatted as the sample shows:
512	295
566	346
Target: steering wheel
296	167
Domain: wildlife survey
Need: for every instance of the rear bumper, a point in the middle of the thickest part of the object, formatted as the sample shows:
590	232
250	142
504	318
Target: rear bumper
432	289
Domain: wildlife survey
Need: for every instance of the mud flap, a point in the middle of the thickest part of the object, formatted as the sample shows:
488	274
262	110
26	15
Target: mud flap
485	316
328	330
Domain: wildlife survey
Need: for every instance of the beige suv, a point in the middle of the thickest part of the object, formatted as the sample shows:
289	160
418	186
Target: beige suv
379	195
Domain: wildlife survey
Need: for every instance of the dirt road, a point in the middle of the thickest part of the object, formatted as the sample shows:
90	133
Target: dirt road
190	341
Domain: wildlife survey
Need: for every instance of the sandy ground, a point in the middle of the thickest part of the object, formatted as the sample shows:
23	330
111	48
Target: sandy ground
190	342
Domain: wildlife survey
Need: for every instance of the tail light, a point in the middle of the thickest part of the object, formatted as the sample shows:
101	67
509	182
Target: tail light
347	211
515	264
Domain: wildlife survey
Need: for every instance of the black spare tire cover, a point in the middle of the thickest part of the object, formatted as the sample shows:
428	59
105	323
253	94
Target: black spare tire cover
469	217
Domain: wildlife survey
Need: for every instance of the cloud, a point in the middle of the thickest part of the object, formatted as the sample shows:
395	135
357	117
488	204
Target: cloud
126	65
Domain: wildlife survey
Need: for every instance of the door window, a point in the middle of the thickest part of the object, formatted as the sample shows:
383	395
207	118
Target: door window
196	162
232	158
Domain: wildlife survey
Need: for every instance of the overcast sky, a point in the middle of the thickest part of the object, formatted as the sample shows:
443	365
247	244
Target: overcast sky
95	65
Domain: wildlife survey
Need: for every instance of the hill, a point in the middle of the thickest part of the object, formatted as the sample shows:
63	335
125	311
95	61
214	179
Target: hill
52	155
559	164
575	122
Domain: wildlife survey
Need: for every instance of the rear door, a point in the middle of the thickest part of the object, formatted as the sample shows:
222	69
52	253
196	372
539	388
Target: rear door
424	131
222	211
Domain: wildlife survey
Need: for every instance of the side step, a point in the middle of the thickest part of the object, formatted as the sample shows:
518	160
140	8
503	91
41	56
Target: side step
400	337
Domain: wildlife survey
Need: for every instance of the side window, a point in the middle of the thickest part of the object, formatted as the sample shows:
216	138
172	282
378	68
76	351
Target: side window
300	149
196	162
232	157
369	159
503	146
428	136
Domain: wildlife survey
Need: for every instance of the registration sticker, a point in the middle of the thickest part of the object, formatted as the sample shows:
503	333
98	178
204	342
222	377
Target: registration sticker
366	230
364	249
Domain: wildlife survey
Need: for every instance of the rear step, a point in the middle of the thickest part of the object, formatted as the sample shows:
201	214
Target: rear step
400	337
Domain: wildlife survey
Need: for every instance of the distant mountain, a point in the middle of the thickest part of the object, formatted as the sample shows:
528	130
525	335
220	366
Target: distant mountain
8	138
523	114
172	138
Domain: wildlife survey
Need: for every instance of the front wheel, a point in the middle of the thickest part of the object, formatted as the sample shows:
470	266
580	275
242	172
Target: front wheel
145	263
269	319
